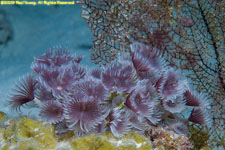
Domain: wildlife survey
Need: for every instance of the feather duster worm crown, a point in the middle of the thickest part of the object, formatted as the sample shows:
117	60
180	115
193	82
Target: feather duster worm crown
132	93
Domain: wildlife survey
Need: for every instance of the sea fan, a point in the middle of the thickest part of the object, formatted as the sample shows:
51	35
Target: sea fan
52	111
119	77
159	38
187	21
24	92
84	113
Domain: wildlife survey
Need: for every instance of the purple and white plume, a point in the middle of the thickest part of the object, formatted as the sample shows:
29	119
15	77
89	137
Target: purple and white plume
91	88
119	122
96	73
195	99
140	102
146	58
200	116
172	85
23	92
176	105
52	111
119	77
84	113
60	80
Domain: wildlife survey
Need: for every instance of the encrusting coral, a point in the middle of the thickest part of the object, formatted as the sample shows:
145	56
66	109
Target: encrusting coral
199	138
130	94
2	117
168	139
28	134
25	133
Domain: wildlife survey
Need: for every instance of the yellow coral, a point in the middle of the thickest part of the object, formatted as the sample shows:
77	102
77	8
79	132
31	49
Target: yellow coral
91	142
28	145
6	147
2	116
199	137
205	148
66	137
8	133
42	134
130	141
28	134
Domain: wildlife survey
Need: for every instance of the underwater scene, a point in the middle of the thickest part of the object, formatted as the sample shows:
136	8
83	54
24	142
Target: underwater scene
112	75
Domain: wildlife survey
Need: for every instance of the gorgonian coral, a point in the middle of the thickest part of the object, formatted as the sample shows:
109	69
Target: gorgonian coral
188	33
132	93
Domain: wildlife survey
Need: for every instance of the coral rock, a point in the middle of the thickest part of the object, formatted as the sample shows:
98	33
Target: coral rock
2	116
27	134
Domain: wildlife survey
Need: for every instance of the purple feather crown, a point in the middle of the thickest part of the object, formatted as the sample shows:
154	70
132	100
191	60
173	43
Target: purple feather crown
137	90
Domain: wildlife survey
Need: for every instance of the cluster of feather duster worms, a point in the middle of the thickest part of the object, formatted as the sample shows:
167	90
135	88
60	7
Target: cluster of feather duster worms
136	90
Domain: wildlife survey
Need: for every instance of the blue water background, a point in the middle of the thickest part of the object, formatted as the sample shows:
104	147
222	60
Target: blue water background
35	29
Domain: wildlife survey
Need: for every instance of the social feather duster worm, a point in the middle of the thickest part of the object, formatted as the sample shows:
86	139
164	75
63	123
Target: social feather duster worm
130	94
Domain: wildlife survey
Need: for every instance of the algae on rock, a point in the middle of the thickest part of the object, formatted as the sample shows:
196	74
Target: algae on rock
27	134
